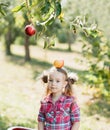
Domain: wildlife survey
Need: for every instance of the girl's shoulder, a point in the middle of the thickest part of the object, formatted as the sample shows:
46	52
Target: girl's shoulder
46	99
70	99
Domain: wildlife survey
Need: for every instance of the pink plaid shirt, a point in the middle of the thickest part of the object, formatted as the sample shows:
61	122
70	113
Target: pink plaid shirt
61	115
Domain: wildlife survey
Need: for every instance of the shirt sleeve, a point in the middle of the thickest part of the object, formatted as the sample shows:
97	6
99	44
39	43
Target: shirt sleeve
75	112
41	115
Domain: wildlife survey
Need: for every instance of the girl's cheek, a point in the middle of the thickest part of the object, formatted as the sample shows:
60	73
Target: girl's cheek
49	83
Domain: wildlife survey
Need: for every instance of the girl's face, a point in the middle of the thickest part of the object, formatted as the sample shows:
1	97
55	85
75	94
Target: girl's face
57	82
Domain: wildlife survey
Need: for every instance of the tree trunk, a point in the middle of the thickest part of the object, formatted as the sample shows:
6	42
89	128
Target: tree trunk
8	43
8	49
69	41
27	51
69	47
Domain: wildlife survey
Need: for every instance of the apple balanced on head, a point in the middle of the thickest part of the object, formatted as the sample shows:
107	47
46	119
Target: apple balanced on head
58	63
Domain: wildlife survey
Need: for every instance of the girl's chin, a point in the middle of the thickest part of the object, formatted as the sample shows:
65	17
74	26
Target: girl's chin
54	91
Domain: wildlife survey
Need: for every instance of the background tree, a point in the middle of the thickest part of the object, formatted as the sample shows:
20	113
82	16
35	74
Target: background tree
96	43
8	29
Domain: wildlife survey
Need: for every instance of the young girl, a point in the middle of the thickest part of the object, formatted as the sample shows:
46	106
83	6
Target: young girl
58	110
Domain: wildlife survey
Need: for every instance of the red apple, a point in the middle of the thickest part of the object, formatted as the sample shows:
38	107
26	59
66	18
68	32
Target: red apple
30	30
58	63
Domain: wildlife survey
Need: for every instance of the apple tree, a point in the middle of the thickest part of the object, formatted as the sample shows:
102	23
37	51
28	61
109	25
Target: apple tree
8	29
96	48
38	15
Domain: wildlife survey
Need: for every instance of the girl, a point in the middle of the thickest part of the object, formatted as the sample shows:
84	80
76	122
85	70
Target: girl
58	110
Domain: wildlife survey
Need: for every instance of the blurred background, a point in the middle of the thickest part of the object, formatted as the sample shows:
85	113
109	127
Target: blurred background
79	35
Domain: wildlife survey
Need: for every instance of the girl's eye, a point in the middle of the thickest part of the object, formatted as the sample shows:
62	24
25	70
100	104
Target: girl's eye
50	80
58	81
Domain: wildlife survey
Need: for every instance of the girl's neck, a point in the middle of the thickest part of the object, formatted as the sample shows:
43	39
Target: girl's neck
56	96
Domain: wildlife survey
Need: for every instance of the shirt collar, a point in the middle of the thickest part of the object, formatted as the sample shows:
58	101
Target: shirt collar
49	98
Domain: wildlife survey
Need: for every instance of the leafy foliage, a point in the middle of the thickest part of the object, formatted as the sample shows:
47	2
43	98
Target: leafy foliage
48	9
47	12
19	7
1	8
97	53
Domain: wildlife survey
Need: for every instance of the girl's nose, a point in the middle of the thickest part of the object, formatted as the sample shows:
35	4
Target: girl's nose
53	83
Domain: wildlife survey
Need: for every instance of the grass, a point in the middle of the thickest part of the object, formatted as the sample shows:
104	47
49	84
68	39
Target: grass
20	92
99	106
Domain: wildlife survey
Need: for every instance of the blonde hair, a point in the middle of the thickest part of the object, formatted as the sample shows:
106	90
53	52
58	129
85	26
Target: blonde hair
71	78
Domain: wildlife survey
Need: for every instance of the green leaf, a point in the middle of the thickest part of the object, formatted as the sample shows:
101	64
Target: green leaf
107	63
45	9
45	44
86	32
50	21
74	28
105	92
84	46
48	42
51	44
1	11
91	77
19	7
3	4
30	2
58	8
94	33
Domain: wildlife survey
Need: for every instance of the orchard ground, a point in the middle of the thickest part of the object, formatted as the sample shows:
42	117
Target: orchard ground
21	92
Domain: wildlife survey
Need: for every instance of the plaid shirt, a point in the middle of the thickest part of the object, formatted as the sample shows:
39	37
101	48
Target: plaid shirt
59	116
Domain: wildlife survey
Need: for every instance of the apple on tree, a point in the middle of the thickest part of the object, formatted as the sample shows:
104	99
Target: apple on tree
30	30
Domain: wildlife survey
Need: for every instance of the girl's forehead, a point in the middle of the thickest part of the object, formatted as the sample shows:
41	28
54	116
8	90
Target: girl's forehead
56	74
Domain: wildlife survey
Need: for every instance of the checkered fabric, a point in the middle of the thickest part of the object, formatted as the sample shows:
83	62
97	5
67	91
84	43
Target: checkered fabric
61	115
